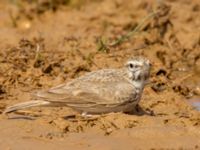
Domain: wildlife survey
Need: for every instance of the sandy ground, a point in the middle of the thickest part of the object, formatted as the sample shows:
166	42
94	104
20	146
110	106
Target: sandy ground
45	44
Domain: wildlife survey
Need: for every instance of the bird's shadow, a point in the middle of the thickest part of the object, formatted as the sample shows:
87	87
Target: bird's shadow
139	111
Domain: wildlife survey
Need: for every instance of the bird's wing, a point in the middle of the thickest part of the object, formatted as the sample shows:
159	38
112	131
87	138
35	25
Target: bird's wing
69	96
100	87
89	93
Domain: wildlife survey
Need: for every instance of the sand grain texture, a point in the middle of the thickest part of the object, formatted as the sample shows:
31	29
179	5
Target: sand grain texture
43	46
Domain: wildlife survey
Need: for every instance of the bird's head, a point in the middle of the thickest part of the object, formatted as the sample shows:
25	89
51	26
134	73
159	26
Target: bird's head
138	69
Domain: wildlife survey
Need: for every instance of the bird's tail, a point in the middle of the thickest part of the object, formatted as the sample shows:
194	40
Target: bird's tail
24	105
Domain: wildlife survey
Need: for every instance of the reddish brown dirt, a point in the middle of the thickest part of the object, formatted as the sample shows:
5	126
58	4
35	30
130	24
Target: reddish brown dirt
50	43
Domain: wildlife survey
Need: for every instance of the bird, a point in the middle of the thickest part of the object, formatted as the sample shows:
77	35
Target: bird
97	92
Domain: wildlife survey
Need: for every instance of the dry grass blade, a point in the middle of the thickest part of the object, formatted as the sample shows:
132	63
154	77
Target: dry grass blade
134	31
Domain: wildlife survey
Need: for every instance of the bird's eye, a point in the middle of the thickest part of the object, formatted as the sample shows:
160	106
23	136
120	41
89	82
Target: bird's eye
131	65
